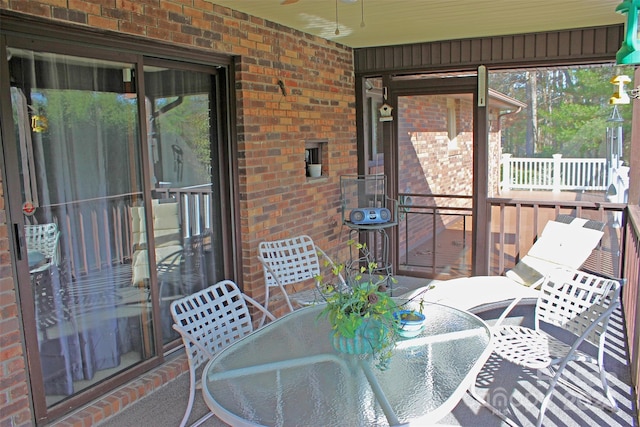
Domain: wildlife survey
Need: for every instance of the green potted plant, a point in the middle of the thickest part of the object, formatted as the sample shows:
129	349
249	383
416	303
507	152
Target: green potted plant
361	315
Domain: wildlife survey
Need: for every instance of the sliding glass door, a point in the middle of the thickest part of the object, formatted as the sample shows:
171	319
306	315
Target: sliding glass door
76	123
118	178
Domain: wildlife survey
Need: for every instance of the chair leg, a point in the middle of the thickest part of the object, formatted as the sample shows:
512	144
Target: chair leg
203	419
192	393
612	405
607	390
545	400
557	379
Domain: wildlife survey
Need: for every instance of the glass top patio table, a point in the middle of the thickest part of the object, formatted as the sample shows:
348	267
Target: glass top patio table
288	374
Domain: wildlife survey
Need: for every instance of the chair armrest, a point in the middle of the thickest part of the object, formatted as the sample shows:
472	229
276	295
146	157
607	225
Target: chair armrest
172	259
507	311
517	299
139	247
259	306
187	337
275	278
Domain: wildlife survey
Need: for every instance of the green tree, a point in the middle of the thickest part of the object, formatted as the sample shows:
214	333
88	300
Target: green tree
572	110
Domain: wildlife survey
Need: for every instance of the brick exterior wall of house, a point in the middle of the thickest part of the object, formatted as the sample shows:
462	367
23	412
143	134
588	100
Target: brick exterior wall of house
14	395
427	165
277	200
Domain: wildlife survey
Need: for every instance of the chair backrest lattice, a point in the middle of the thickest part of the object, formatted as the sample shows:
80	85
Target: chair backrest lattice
574	300
44	239
211	319
291	260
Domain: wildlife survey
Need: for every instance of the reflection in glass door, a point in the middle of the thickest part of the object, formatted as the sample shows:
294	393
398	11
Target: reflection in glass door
435	181
182	132
76	123
121	215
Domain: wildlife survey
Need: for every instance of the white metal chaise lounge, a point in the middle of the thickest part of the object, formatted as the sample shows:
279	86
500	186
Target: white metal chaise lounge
565	242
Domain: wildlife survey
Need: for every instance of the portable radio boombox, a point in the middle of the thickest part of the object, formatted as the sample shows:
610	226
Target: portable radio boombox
363	216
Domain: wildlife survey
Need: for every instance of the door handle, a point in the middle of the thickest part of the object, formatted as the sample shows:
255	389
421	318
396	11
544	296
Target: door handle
19	241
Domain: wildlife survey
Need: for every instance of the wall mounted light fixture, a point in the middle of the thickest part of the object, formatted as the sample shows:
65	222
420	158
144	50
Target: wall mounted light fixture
629	52
283	89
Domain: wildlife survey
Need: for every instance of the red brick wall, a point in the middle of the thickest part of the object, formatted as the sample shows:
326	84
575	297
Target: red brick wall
14	399
276	198
280	200
427	165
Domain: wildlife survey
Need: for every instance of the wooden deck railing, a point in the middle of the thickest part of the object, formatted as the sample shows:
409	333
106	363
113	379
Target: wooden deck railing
516	224
630	294
96	233
554	174
422	220
195	207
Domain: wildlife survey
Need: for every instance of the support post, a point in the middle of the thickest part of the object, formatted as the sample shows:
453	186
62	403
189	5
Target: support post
556	172
506	172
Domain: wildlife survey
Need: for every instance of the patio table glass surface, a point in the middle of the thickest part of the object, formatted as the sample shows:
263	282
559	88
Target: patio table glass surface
288	374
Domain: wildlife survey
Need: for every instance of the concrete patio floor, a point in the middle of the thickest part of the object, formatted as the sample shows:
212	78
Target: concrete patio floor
513	390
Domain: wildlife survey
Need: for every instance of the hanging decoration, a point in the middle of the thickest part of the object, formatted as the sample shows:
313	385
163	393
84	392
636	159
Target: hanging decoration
337	31
385	109
39	123
617	173
621	96
28	208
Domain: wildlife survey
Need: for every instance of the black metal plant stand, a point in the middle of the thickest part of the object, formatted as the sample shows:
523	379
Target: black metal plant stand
368	214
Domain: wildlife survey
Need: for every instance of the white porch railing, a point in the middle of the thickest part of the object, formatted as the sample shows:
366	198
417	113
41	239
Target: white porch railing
554	174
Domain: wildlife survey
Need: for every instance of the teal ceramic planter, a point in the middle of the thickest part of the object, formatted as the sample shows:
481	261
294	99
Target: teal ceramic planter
367	340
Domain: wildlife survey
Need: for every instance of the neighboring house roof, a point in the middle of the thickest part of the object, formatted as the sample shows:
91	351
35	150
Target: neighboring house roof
498	100
504	102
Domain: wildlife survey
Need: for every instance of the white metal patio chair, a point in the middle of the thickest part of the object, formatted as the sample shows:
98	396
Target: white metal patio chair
578	303
565	242
208	321
291	262
42	242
